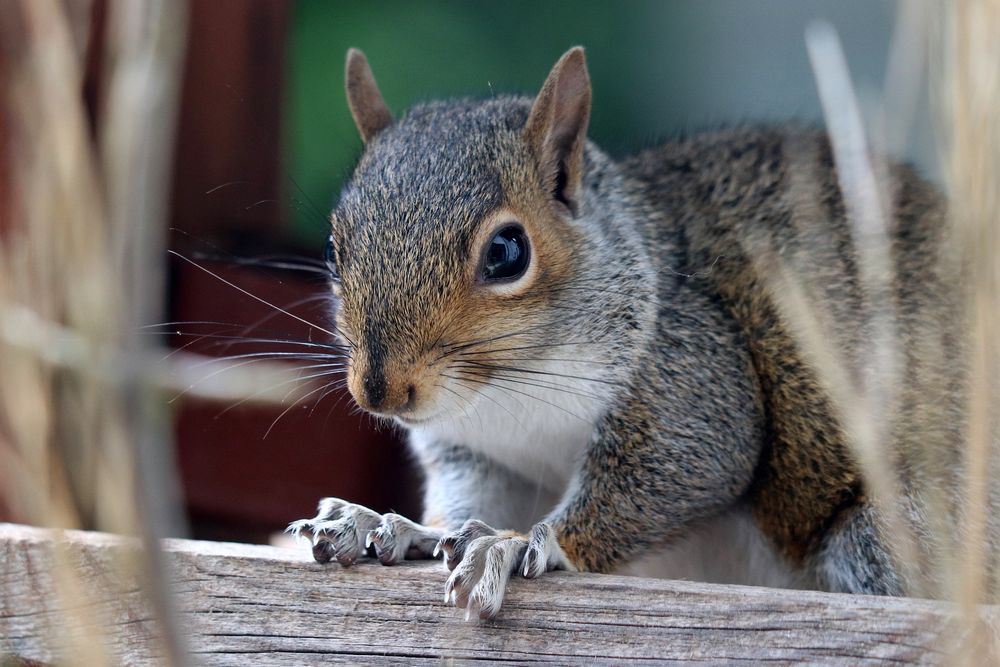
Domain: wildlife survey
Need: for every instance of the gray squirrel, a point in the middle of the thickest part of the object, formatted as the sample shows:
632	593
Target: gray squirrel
589	358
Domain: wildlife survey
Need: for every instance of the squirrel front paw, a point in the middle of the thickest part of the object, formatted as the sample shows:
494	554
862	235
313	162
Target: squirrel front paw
482	560
345	531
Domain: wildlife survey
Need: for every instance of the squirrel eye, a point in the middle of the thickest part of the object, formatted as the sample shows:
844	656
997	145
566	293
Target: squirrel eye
330	257
506	255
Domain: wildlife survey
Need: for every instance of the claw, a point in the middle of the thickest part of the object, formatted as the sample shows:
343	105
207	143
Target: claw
445	548
322	552
448	590
345	532
346	560
296	529
483	560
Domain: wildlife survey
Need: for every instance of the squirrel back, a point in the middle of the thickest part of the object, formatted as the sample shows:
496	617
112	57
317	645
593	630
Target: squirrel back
757	208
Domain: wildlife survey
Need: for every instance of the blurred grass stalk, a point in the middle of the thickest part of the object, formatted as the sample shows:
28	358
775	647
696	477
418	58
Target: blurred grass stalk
84	442
970	109
865	403
84	428
963	53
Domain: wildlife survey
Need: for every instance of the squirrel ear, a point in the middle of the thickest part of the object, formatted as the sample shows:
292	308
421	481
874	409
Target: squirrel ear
557	126
369	110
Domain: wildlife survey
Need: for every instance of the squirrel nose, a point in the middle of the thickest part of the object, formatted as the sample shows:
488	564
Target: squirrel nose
379	397
375	390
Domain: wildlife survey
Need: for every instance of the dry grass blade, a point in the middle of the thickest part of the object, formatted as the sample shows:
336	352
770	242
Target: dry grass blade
58	198
967	64
970	97
142	57
866	410
84	422
70	426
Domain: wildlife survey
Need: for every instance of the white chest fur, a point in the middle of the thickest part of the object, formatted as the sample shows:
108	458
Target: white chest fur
537	425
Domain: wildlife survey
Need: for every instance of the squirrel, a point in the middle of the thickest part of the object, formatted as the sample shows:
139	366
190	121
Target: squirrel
591	361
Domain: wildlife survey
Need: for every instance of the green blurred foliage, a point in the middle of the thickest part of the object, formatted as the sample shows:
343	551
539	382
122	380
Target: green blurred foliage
657	66
421	51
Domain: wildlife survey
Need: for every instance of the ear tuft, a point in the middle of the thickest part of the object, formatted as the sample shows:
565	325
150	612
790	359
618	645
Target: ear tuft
557	126
371	115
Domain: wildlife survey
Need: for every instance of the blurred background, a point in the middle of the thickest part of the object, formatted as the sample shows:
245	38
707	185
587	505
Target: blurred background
166	169
263	141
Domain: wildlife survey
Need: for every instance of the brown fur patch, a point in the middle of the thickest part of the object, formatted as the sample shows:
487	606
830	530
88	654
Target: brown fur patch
573	546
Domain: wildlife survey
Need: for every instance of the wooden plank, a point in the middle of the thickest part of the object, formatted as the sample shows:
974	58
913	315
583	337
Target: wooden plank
246	604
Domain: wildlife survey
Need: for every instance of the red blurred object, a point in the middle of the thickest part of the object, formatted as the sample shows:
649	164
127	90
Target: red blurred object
249	470
239	484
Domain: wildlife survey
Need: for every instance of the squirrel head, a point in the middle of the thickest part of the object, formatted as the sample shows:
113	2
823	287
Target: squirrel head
456	244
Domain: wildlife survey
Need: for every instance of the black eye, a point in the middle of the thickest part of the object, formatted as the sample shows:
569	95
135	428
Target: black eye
506	255
330	257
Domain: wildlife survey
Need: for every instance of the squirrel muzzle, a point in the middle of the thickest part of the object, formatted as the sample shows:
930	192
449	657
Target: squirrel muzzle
388	388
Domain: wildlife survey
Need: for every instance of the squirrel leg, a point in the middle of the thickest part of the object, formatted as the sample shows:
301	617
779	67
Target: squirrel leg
649	473
641	482
398	538
483	559
460	484
479	580
344	531
467	490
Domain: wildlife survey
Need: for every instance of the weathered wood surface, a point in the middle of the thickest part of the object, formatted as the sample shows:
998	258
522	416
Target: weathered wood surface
267	606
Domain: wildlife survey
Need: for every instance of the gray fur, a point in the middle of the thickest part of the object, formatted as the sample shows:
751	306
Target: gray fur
852	557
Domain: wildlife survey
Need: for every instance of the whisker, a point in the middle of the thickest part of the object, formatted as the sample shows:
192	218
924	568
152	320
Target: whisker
188	322
226	185
331	387
257	298
230	367
176	350
491	381
457	347
299	379
526	347
334	370
233	340
541	384
465	400
300	264
294	304
272	387
487	396
261	201
483	381
227	342
289	409
304	356
565	360
339	384
515	369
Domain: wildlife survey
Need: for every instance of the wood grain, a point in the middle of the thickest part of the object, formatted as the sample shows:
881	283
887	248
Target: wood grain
261	605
